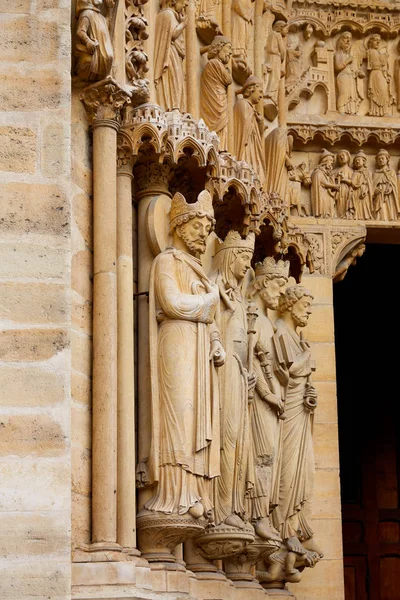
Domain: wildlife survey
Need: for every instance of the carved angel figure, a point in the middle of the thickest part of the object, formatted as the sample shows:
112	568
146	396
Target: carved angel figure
249	125
93	50
169	53
292	515
347	73
229	267
185	348
386	195
379	85
268	406
323	187
215	80
362	185
275	59
343	175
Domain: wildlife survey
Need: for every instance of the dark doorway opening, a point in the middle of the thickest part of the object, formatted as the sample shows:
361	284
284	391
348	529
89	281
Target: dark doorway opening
367	342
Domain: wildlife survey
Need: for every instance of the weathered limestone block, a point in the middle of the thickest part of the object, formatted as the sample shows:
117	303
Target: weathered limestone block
50	579
81	388
28	38
81	426
34	261
31	435
32	89
82	215
81	348
81	471
32	344
18	149
41	303
82	270
34	208
34	535
30	386
55	159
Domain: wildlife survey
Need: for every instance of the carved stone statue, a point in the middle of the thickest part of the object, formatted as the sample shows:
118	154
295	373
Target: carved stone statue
249	126
293	68
185	348
215	80
267	407
207	25
386	195
343	175
397	76
93	49
292	515
278	149
229	267
169	52
362	186
323	187
379	91
275	60
347	73
242	21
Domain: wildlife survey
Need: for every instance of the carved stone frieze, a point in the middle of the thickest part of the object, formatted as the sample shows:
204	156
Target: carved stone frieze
332	133
356	15
223	541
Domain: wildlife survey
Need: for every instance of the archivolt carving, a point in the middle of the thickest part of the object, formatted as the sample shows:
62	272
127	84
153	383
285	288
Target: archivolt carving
136	60
347	247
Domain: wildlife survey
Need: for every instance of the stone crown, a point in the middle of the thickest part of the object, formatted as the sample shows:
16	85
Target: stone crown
235	240
180	208
270	266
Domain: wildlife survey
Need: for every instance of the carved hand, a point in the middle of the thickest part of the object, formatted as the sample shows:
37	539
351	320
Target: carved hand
251	381
211	288
217	353
91	46
275	402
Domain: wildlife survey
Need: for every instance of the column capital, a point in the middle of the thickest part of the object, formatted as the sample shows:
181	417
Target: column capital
103	101
152	177
124	159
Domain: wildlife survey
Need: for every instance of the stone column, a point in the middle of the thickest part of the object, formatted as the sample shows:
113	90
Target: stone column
192	57
104	99
126	490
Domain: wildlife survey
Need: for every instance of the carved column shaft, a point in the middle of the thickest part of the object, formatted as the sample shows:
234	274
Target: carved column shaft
191	61
126	496
104	458
226	27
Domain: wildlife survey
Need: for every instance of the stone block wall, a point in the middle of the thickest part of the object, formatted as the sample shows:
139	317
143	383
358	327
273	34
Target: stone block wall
35	299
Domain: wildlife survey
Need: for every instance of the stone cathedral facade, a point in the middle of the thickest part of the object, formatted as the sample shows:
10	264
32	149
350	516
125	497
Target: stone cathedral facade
182	184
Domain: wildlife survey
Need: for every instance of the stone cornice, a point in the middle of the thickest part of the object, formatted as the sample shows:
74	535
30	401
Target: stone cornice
333	132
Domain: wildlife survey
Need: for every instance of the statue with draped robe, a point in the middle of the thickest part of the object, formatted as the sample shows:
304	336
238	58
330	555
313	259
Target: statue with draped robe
386	194
215	80
93	50
363	188
323	187
292	515
169	53
268	406
185	348
249	126
229	267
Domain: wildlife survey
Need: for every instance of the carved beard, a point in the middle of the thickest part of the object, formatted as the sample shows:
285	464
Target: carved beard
192	245
300	321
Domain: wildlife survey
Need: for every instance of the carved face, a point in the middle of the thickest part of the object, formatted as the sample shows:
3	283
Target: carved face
256	94
97	2
241	265
225	54
180	5
346	40
308	31
374	41
342	158
359	162
195	233
327	161
271	292
301	311
381	160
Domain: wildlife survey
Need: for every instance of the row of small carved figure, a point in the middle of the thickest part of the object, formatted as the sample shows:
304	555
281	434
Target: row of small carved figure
353	192
231	402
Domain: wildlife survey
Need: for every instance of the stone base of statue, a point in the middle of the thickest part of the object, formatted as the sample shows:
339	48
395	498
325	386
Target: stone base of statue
159	533
283	567
224	540
239	568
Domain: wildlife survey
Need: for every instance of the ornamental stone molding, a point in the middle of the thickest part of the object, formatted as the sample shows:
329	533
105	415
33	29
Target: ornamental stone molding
333	133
